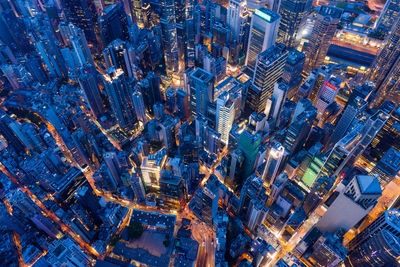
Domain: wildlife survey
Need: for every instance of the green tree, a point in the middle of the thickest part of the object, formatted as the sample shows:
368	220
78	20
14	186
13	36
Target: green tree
135	230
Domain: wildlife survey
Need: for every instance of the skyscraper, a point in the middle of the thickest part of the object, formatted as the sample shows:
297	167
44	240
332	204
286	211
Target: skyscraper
389	14
324	29
201	91
273	163
83	15
249	144
268	71
169	34
293	17
138	104
113	24
118	92
89	85
225	115
382	249
237	16
385	69
388	220
350	112
351	205
263	31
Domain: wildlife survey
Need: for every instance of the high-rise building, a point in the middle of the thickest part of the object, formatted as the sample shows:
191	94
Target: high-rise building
118	92
278	100
89	84
351	205
268	71
113	24
225	115
382	249
169	34
349	114
249	144
138	104
182	103
236	18
201	91
273	163
117	55
389	14
324	29
327	94
139	11
386	68
388	167
327	251
83	15
263	31
388	220
387	137
299	130
293	18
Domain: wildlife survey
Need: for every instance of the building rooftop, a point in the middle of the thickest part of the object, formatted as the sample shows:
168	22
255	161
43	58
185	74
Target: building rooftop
369	184
267	14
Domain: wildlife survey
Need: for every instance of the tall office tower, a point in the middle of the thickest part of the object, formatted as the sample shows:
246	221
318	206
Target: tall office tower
321	76
256	214
352	110
235	168
170	101
268	71
372	126
236	18
190	33
139	11
388	16
50	55
169	35
138	188
168	132
302	105
17	75
263	31
201	91
119	94
113	24
327	94
182	103
206	136
278	99
327	251
298	130
90	87
150	88
117	55
387	137
80	46
225	115
205	203
138	104
351	205
385	69
293	18
111	160
388	167
253	188
382	249
249	144
82	13
273	163
293	69
388	220
324	29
